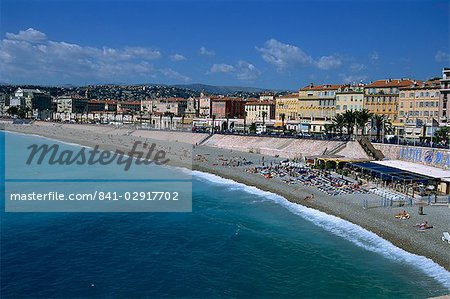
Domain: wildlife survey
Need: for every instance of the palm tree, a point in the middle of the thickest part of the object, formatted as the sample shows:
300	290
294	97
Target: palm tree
442	135
349	119
264	115
362	118
330	128
382	122
213	122
339	123
245	121
283	117
171	115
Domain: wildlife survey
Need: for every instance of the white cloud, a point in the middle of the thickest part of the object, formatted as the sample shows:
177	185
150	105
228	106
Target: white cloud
206	52
328	62
353	78
221	68
374	56
442	56
283	55
30	56
247	71
177	57
170	73
30	35
243	70
357	67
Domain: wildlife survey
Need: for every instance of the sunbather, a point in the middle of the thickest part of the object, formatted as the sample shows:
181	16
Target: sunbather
424	226
402	215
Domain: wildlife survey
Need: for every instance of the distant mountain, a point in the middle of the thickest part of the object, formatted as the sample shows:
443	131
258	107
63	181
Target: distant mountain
220	89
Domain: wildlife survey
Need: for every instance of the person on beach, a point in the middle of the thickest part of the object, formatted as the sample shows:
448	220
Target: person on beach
423	226
402	215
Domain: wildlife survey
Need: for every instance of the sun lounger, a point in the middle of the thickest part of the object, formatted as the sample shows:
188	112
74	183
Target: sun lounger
446	237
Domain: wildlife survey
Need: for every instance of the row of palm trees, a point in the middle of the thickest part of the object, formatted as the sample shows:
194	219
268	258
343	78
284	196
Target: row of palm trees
351	120
355	120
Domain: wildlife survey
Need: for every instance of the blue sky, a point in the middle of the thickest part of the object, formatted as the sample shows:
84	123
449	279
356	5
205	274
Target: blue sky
271	44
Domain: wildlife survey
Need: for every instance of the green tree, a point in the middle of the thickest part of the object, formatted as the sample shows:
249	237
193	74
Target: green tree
381	121
442	135
252	128
283	117
339	123
349	120
362	118
213	122
13	111
245	121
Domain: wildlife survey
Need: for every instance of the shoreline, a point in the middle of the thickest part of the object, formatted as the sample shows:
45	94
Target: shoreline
377	220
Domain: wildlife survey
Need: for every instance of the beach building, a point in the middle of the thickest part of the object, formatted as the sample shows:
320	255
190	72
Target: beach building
317	106
286	111
175	106
444	104
23	97
259	110
381	97
105	105
147	105
227	107
204	106
419	109
350	97
130	106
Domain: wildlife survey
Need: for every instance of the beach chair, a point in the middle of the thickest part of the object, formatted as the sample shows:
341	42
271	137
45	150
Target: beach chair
446	237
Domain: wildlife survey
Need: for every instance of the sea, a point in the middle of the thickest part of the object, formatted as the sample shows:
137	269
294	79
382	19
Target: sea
238	242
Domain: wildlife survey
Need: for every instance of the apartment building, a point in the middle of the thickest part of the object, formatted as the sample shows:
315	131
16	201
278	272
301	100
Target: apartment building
176	106
444	103
381	97
226	107
419	108
286	105
259	110
350	97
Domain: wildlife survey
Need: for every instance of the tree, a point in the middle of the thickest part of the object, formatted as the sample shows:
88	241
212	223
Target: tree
252	128
382	122
245	121
362	118
264	115
213	122
442	135
283	117
339	123
349	120
13	111
330	128
228	120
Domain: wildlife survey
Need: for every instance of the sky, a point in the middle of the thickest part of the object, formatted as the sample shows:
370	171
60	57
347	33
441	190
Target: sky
268	44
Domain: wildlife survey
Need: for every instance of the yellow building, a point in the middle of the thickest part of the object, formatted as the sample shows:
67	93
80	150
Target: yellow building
419	108
350	97
316	106
286	105
381	97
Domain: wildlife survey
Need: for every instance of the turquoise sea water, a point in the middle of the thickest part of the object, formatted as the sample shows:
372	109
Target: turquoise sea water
238	242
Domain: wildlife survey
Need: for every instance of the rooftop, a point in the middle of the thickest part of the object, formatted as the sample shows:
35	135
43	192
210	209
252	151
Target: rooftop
391	83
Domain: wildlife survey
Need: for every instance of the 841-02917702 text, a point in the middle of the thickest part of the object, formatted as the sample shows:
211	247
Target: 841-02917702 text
155	195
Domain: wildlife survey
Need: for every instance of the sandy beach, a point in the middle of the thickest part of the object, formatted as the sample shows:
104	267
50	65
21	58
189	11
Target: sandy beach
185	152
